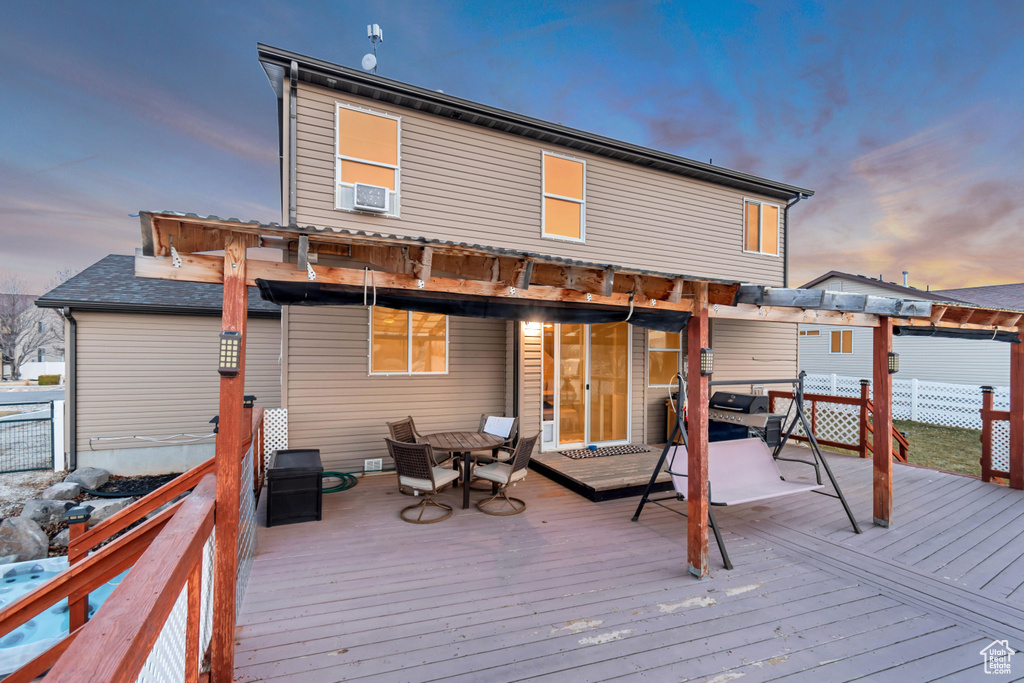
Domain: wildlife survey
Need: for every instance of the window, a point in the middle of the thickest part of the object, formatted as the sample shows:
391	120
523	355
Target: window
663	355
42	327
407	342
760	227
564	207
41	354
842	341
367	151
810	333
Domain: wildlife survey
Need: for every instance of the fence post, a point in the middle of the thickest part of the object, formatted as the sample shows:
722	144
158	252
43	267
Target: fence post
834	384
864	384
913	400
986	433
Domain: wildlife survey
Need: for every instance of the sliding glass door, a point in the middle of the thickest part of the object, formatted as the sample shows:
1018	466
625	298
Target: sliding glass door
589	365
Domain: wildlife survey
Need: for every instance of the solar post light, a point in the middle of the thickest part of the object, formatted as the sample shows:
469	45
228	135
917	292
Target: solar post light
894	363
230	350
79	514
707	362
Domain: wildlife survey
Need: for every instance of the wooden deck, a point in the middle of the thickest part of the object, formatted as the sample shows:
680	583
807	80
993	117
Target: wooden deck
605	478
572	590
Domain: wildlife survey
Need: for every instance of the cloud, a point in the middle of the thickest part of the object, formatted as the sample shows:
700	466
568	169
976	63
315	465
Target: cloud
143	99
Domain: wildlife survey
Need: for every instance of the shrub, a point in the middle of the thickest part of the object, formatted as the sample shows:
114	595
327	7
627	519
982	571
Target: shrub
45	380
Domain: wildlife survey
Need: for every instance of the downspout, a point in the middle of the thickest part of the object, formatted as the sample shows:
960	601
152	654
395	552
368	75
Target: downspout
785	227
516	367
72	389
293	76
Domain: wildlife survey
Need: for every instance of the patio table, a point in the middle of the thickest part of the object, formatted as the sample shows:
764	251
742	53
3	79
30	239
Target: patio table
462	445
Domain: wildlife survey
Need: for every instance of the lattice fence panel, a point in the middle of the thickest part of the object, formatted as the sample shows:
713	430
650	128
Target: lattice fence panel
847	386
206	597
838	422
275	432
785	405
166	662
818	384
246	529
1001	445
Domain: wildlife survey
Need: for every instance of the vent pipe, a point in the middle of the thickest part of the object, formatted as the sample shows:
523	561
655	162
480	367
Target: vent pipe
905	274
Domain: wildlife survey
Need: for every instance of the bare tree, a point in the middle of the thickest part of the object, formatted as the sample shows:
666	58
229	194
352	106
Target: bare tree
24	329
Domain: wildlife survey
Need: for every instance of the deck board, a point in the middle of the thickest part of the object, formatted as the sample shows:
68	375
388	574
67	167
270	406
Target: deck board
573	590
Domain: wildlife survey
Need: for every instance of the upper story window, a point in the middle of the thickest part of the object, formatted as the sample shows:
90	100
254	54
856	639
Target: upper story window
368	152
760	227
564	212
842	341
407	342
663	353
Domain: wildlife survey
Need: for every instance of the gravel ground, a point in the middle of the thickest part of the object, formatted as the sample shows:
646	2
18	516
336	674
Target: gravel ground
17	487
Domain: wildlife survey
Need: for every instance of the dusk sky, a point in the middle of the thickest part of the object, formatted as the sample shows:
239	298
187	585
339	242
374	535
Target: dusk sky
907	119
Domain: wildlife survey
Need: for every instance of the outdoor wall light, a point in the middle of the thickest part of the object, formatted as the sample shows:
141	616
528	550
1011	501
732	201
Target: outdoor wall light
707	362
532	327
894	363
230	350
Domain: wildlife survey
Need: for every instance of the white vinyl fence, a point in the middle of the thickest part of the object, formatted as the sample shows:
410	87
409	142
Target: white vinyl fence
952	405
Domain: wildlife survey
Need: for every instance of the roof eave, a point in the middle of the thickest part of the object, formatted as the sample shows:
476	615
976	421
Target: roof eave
376	87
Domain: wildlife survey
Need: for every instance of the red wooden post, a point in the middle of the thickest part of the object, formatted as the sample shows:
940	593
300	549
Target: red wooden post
986	433
882	444
864	398
194	615
697	454
78	609
1017	416
233	431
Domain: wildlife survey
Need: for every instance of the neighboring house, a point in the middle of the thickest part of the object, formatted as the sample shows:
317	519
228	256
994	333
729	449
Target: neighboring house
30	337
142	365
847	351
436	167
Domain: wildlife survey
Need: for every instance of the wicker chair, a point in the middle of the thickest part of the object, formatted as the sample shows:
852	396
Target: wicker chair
505	474
405	432
416	470
502	453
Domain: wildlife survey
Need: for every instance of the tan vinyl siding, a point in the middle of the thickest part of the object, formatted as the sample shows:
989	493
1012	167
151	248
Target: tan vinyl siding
336	406
753	350
156	375
466	183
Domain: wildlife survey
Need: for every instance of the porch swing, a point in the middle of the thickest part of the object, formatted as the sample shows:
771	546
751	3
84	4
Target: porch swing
743	470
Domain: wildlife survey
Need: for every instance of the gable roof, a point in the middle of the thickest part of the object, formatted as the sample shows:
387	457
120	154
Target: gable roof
110	285
277	64
996	296
904	292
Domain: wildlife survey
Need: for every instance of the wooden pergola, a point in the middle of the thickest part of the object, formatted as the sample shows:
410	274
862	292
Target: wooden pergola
176	247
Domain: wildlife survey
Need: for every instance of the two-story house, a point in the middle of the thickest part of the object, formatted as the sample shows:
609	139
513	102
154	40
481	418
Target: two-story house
364	153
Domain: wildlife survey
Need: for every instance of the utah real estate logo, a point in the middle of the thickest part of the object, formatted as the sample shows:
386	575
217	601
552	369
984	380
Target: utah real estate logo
997	657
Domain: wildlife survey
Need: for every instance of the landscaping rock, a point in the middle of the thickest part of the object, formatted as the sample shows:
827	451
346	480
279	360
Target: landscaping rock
89	477
62	538
44	512
23	538
8	559
101	509
62	490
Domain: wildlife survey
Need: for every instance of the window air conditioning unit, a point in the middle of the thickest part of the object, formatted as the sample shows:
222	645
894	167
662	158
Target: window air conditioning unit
372	198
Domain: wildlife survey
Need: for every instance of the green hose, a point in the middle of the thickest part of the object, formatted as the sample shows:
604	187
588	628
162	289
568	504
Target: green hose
347	481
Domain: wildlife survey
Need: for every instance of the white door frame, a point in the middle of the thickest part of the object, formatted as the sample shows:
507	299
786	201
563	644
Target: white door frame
557	360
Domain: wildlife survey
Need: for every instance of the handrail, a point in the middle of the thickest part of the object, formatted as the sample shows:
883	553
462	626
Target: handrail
867	407
82	578
115	645
122	519
41	663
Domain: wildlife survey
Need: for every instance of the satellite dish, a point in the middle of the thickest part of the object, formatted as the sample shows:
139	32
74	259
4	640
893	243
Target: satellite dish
369	62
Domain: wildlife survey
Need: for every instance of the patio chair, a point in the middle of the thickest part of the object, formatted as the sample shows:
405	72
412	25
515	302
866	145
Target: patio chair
506	474
414	463
507	427
404	430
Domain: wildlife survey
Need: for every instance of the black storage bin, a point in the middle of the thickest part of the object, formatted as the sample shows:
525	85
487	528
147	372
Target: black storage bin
294	486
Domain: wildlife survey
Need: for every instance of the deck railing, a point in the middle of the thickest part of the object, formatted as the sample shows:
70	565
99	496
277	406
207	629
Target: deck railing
995	438
153	621
839	421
